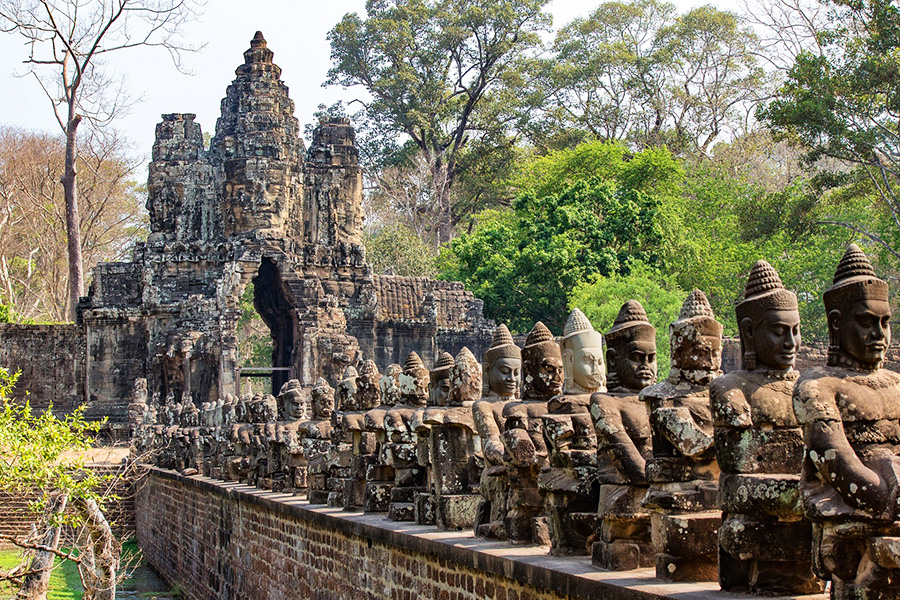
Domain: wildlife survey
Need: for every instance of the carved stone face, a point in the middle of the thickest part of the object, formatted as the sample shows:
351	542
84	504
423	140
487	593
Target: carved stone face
414	386
583	356
636	365
323	404
544	374
864	332
697	346
294	405
774	338
503	377
440	391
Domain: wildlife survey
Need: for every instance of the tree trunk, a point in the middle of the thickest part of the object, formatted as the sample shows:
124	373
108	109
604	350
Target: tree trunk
73	226
99	575
442	175
36	584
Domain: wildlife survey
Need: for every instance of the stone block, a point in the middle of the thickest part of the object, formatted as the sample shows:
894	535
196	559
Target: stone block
623	555
746	538
777	496
424	504
686	568
691	535
378	497
402	511
457	512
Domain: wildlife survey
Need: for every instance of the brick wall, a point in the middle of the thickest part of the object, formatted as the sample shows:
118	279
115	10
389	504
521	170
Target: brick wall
226	541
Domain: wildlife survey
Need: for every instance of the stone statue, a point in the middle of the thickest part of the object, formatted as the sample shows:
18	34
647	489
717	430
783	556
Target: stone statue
452	440
683	472
409	476
523	438
502	370
624	442
850	414
317	442
438	394
380	473
764	542
570	486
355	444
287	443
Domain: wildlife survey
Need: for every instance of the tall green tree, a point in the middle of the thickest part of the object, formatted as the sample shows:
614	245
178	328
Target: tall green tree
565	229
841	102
432	71
637	71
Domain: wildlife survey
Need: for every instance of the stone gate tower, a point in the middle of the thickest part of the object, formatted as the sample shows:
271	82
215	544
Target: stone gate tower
256	207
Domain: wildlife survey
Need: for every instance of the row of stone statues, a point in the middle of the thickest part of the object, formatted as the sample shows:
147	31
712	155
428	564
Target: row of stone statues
769	480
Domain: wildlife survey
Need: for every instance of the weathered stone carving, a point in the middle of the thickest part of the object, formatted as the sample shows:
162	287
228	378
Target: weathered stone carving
289	465
570	484
452	440
523	437
317	442
502	370
764	541
438	395
850	414
380	473
683	472
409	476
624	442
256	207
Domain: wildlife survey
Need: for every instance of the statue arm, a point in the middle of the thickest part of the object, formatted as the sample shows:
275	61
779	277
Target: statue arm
835	460
613	435
682	431
729	406
489	431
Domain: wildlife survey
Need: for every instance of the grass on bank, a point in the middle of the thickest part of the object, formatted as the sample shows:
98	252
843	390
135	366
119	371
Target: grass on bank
65	584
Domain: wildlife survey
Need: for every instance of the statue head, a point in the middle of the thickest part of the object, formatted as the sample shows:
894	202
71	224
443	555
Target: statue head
502	365
631	348
368	390
465	378
268	409
768	320
390	384
439	389
346	390
582	352
322	399
859	314
696	336
542	364
414	381
293	401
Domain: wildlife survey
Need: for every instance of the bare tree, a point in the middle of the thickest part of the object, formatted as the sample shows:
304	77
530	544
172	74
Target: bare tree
67	42
33	255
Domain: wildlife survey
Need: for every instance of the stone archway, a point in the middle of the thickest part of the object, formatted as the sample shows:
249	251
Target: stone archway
271	298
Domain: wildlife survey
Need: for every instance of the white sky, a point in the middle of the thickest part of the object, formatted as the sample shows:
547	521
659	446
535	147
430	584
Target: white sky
295	31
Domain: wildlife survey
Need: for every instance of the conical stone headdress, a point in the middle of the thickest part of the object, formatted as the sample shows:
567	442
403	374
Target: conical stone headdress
854	280
631	321
579	325
502	346
764	291
442	366
696	311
